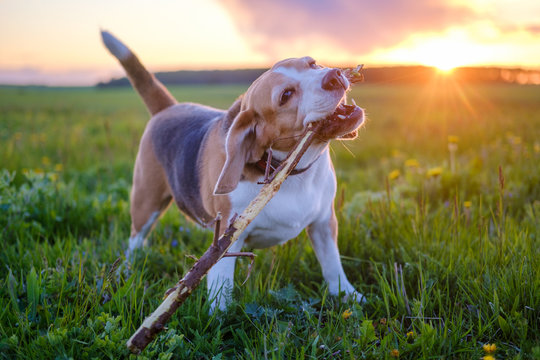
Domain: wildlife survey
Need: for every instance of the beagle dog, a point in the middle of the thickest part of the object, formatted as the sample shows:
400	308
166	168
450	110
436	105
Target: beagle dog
209	161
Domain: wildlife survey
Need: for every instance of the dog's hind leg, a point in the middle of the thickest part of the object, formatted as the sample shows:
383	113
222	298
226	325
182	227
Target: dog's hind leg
150	195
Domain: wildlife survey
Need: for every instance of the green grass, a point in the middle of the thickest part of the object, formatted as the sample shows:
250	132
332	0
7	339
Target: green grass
465	243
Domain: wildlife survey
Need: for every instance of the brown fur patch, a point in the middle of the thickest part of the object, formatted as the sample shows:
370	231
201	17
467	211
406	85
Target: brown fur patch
150	191
154	94
213	159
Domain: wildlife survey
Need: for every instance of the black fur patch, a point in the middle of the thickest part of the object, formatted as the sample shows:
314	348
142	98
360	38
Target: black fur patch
177	136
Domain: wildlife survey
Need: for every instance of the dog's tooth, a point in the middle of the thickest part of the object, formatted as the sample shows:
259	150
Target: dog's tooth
342	117
353	102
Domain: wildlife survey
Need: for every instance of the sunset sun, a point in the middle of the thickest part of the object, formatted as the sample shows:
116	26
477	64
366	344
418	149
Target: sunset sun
444	51
445	54
446	66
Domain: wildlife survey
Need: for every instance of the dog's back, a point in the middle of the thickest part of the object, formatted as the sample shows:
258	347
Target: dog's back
177	135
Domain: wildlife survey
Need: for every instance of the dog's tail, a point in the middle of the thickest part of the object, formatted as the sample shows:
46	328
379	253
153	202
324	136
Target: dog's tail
154	94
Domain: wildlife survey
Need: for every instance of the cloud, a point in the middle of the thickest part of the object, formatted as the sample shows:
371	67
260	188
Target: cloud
533	29
354	26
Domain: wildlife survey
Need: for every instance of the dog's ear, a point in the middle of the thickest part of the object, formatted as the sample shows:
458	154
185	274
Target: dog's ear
350	136
241	147
233	112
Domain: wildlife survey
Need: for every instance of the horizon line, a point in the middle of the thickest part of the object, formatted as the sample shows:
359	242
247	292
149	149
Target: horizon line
92	77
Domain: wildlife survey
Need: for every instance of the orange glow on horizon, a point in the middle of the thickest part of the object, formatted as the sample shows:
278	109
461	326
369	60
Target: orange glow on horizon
57	42
445	69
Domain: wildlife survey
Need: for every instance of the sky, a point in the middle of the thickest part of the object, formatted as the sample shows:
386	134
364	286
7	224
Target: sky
57	42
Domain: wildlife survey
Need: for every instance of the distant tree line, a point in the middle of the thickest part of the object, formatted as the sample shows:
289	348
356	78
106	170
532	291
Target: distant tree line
381	75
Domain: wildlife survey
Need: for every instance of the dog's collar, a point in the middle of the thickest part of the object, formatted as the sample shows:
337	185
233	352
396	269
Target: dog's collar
274	164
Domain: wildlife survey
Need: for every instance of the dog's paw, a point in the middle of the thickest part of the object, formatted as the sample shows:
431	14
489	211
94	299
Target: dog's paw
354	296
346	292
219	304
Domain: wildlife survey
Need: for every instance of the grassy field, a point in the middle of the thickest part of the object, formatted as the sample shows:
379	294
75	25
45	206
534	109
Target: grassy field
439	205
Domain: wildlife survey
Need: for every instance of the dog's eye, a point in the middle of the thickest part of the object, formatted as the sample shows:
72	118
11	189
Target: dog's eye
286	96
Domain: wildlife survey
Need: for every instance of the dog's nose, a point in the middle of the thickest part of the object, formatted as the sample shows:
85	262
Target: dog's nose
333	80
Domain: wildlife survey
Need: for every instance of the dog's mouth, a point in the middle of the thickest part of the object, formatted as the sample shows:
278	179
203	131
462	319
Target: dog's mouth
342	123
344	111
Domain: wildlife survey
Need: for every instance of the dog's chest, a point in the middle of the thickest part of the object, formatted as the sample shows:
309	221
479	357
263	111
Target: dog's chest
297	204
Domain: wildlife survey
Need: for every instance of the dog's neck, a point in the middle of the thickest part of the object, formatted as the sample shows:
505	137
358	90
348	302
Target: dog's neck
269	163
312	154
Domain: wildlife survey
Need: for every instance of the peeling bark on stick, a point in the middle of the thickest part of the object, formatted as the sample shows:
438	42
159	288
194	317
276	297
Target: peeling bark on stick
155	323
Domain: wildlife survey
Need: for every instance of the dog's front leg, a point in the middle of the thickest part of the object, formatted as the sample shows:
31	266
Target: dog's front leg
220	279
323	235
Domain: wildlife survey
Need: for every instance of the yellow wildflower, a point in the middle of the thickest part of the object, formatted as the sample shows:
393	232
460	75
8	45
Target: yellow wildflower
452	139
394	353
412	163
410	335
58	167
394	174
434	172
45	161
489	348
467	204
39	171
488	357
537	148
346	314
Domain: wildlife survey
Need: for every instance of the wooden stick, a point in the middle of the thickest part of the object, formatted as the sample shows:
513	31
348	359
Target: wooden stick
354	75
155	323
216	229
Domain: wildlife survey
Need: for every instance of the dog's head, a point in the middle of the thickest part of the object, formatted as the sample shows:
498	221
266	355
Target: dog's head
277	108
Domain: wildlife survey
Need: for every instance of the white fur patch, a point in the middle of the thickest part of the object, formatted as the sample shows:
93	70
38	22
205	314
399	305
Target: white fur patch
301	200
138	240
316	103
294	74
115	46
303	75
